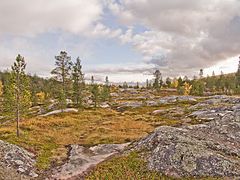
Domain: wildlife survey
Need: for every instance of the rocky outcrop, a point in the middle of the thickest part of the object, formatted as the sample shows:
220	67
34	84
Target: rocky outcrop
82	158
60	111
175	99
210	149
12	156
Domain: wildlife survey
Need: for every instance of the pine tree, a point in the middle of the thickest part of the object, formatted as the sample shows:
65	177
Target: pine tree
158	80
168	82
201	73
105	93
137	85
78	83
92	80
1	93
147	84
125	85
213	74
238	76
1	89
95	92
197	87
62	74
17	96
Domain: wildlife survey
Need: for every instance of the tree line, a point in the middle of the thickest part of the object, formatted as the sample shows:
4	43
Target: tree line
20	91
228	84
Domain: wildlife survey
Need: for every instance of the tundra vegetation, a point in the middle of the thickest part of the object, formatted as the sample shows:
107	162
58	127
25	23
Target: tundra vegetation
107	113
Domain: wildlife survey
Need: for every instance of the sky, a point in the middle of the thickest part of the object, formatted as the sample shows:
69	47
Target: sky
126	40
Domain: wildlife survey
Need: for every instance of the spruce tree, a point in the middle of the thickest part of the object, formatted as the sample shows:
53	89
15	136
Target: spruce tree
1	89
95	92
201	73
105	94
158	80
238	75
17	95
78	83
147	84
62	74
168	82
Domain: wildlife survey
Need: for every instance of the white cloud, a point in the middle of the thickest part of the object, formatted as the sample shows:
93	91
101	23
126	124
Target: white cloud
27	17
189	34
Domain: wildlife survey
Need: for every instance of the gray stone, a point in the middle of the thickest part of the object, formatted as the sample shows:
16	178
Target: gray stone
60	111
210	149
17	158
82	158
159	112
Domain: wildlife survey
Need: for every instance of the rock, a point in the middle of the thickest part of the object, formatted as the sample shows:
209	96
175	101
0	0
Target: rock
236	107
60	111
17	158
82	158
114	94
151	103
186	99
104	105
168	100
206	150
171	113
159	112
123	106
175	99
211	113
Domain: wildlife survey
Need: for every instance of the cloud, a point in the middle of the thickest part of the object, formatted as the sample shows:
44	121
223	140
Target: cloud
29	17
122	69
189	34
179	36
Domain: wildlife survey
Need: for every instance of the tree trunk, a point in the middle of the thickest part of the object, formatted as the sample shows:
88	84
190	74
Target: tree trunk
18	105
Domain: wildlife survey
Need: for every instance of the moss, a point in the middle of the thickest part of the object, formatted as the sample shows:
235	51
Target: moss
130	166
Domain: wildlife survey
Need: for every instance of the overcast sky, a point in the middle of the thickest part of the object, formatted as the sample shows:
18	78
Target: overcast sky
124	39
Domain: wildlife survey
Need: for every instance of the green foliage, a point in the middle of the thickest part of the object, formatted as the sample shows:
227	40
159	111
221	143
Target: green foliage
125	85
62	74
158	80
95	94
105	91
197	88
17	95
168	82
78	83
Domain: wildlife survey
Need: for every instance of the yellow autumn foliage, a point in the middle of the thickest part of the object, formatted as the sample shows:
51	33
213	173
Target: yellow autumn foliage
174	83
187	88
40	97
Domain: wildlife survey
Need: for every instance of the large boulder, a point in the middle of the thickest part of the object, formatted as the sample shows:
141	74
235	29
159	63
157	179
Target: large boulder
210	149
14	157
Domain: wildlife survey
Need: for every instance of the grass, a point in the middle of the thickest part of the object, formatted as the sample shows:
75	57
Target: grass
130	166
48	137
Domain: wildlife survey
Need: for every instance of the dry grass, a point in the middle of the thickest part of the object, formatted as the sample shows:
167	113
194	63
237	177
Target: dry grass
48	137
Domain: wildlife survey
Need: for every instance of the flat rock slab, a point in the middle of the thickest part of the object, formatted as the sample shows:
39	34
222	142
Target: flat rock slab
210	149
60	111
81	159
